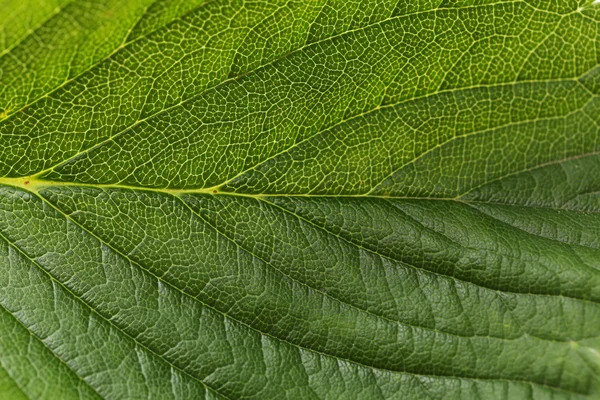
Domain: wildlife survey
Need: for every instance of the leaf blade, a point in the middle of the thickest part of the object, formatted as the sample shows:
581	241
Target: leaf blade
304	200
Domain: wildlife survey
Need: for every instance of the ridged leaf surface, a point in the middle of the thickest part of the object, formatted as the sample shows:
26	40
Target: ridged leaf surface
324	199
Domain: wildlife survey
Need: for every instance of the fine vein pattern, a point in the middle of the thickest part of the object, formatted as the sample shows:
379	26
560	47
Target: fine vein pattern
240	199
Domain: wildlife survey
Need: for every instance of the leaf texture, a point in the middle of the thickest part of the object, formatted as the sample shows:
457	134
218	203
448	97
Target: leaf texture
211	199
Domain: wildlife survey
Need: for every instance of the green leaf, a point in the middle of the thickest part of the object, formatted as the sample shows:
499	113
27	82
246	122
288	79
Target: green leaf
300	199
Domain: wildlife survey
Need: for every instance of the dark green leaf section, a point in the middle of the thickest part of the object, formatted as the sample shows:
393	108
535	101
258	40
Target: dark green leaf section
30	369
243	306
300	199
570	184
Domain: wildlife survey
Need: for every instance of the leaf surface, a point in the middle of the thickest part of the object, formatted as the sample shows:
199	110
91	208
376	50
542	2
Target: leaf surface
313	199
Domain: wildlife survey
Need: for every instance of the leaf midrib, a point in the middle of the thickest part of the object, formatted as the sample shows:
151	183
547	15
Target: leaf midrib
35	187
35	184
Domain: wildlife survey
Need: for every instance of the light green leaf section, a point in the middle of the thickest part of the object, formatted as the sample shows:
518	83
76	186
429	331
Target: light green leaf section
9	387
210	199
20	17
58	45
